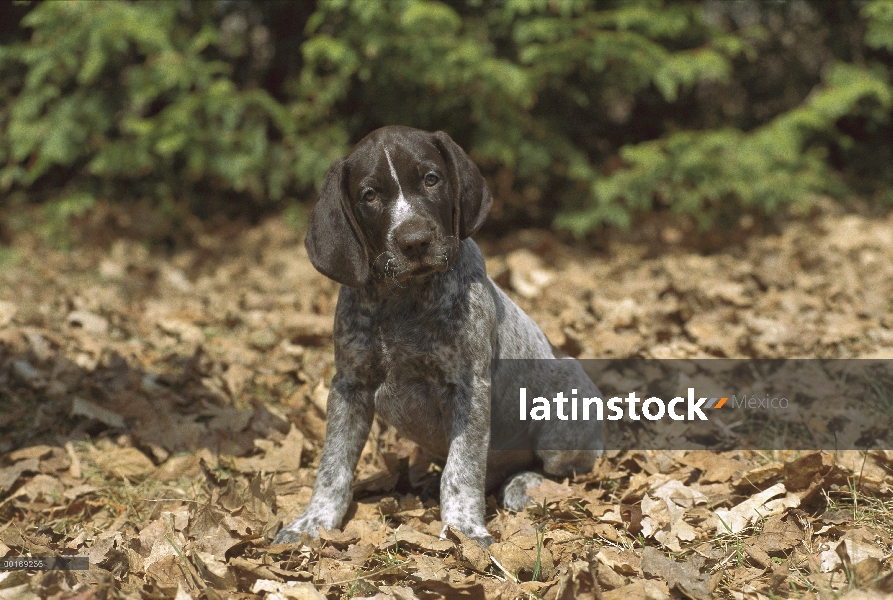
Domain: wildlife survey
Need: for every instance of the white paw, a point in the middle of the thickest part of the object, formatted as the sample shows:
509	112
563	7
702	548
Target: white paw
291	533
478	534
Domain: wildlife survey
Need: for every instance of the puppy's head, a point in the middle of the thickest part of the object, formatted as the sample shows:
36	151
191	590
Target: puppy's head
396	208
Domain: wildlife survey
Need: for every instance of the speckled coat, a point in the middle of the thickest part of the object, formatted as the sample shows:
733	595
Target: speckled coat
419	349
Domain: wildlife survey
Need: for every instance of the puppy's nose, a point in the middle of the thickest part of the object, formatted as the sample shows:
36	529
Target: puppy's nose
414	243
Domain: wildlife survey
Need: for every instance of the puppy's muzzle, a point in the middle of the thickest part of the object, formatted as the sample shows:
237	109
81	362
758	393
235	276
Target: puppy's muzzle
416	248
414	244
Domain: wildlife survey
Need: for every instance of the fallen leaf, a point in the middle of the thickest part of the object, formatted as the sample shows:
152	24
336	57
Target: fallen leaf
210	531
519	555
283	457
39	451
549	491
41	487
329	570
89	322
683	576
663	520
576	580
237	377
756	507
856	546
10	475
163	565
406	536
7	312
215	571
469	552
716	467
296	590
623	562
441	590
429	568
640	589
527	276
124	463
85	408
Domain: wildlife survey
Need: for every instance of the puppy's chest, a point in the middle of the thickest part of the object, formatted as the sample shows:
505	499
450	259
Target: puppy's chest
421	335
417	346
421	361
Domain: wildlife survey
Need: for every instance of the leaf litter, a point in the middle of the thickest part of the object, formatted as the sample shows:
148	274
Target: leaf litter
162	414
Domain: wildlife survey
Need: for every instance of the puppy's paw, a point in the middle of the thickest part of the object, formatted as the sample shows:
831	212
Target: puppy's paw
513	495
287	536
477	533
309	524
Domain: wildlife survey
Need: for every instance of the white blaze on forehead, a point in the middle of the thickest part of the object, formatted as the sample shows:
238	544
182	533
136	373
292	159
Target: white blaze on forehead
393	171
402	209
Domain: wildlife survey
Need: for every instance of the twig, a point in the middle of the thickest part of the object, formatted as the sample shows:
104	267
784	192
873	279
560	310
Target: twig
503	569
384	571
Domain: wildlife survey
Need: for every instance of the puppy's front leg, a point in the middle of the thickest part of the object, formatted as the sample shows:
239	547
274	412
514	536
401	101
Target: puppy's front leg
462	500
349	417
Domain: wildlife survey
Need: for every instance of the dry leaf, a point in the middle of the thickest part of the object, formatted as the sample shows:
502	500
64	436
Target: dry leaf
406	536
253	301
237	377
429	568
215	571
856	546
89	322
468	552
623	562
81	407
519	555
577	581
7	312
549	491
284	457
124	463
9	475
39	451
281	590
329	570
758	506
527	275
662	519
163	565
641	589
683	576
716	467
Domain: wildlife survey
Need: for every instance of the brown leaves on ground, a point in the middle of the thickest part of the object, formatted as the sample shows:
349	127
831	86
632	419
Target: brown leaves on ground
162	415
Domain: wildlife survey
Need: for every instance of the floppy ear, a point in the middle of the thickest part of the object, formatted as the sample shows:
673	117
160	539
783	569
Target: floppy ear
473	196
334	242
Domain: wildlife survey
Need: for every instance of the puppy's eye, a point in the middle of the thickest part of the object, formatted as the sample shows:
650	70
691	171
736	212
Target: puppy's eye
370	196
431	179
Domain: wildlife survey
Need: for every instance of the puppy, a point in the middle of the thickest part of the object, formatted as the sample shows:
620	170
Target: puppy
418	325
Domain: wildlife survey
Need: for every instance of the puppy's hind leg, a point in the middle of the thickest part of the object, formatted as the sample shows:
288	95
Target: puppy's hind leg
513	495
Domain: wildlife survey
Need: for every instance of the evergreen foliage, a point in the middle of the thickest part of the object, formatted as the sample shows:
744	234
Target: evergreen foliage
582	112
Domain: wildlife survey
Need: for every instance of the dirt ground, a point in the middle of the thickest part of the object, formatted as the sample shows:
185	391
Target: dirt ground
162	413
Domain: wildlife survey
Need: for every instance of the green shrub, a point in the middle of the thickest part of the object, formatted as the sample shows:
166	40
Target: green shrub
582	112
120	92
710	174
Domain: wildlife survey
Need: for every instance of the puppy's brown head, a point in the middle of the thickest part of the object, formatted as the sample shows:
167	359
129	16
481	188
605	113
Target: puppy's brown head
396	207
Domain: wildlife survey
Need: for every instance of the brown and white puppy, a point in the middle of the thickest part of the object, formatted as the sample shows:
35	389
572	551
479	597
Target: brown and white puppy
418	325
